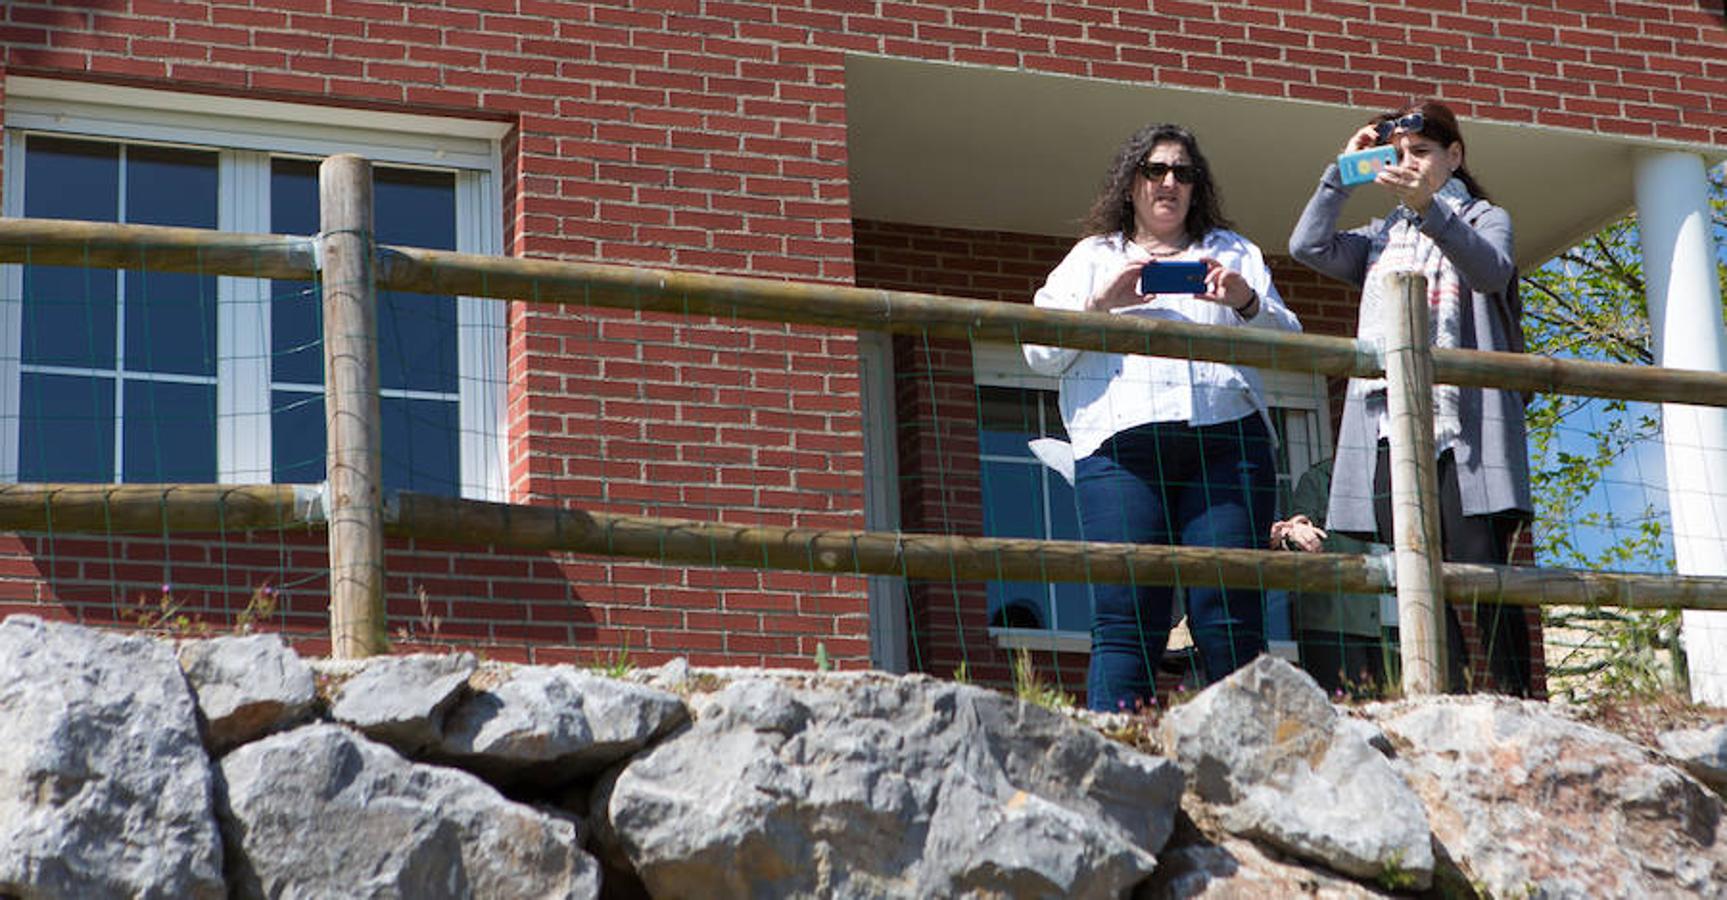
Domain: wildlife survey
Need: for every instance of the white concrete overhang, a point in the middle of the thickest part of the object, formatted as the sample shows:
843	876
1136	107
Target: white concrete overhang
980	148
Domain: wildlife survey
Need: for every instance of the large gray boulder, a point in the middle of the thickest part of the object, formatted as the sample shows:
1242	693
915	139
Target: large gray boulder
322	812
864	786
1702	751
246	687
400	700
105	790
1269	756
1528	803
551	725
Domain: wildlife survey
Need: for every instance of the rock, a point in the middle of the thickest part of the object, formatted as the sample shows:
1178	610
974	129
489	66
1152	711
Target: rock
246	687
873	786
1269	756
402	700
322	812
1527	803
105	790
553	724
1702	751
1233	867
674	675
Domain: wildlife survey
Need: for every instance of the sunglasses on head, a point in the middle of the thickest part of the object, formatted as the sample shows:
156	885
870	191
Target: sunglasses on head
1412	123
1186	173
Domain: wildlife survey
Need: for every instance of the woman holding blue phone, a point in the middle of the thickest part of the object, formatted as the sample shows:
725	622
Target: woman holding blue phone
1166	450
1444	227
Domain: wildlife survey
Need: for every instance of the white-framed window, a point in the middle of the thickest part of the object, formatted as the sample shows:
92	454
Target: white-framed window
1022	497
138	376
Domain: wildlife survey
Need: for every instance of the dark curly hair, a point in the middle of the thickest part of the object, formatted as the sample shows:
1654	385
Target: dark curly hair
1439	124
1112	211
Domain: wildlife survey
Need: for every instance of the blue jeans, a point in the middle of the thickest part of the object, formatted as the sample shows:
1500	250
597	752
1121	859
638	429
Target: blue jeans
1172	483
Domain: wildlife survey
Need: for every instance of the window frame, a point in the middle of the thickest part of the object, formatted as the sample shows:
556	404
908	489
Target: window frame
1003	365
247	134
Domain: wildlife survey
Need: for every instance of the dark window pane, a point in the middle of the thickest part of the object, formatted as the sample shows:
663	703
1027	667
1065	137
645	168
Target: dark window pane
69	312
419	442
1063	508
1072	607
1006	420
296	332
296	323
415	208
171	323
416	332
420	450
67	179
69	316
165	186
296	437
171	317
67	428
1012	500
1018	604
170	432
1052	424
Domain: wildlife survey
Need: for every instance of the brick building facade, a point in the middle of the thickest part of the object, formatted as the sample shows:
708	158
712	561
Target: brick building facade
761	139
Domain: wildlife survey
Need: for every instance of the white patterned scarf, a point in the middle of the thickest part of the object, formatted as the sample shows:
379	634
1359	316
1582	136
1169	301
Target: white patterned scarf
1401	247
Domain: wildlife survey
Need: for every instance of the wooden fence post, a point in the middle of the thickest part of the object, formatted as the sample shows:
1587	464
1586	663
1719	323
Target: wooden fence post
1414	486
355	467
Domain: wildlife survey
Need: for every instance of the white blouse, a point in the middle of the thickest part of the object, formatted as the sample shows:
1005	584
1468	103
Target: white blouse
1105	393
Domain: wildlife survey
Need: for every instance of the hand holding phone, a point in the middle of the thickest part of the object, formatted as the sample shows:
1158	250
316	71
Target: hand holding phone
1172	277
1361	166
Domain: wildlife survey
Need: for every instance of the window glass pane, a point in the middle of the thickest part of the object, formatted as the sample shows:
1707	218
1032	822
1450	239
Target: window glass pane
69	312
69	317
170	316
1072	607
296	437
1018	604
67	432
1063	508
296	323
419	437
68	179
170	432
1012	500
1052	424
420	446
1007	418
171	323
169	186
416	332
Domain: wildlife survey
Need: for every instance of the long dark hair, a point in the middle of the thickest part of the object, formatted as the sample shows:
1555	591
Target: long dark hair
1112	211
1440	124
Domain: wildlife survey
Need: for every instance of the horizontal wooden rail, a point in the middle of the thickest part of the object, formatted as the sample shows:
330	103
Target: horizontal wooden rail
69	243
160	509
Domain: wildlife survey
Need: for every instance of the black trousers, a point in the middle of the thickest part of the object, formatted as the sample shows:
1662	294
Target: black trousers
1502	630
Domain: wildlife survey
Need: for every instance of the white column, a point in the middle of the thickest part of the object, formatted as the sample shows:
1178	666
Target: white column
1679	268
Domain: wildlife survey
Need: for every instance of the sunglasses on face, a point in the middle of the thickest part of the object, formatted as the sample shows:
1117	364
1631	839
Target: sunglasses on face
1412	123
1186	173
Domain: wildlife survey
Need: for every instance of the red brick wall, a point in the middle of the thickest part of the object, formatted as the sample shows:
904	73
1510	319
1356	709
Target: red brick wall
711	136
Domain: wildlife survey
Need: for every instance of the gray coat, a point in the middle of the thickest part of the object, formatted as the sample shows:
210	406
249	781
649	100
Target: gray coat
1492	456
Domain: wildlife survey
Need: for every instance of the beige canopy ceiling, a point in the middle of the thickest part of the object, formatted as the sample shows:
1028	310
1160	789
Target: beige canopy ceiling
940	144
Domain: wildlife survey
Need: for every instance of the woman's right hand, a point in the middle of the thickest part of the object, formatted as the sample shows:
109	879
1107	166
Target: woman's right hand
1122	290
1366	137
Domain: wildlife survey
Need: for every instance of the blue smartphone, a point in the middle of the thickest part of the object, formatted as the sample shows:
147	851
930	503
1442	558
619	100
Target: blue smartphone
1172	277
1360	167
